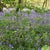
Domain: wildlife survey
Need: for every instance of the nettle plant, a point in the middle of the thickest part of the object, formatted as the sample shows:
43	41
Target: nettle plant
18	35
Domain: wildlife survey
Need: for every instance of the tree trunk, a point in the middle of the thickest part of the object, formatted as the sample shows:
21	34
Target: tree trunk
19	2
44	3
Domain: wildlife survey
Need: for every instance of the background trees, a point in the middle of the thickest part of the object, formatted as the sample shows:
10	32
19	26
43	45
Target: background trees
23	3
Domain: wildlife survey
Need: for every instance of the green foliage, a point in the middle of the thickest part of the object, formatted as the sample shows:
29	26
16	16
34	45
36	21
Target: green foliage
9	14
37	9
44	47
40	10
48	48
22	35
4	47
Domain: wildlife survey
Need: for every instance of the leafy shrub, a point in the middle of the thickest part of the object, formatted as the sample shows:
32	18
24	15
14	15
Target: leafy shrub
23	36
37	9
40	10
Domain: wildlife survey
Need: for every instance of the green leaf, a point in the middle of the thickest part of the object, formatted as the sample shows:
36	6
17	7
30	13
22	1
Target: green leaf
44	47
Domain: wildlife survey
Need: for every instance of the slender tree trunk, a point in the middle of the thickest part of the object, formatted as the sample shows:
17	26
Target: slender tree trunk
19	2
44	3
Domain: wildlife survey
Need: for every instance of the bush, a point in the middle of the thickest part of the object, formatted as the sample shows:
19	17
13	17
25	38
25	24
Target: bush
23	36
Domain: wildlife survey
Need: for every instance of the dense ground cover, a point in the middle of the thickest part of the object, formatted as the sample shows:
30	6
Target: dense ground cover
24	30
